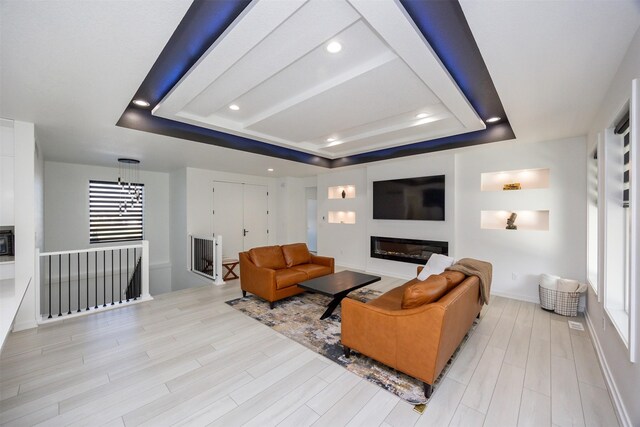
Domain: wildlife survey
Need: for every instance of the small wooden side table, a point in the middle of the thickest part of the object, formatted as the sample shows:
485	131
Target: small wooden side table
230	264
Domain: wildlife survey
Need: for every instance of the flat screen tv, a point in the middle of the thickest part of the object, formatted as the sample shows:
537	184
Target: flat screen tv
419	199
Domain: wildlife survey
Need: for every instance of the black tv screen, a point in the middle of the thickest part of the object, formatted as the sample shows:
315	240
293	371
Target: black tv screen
419	198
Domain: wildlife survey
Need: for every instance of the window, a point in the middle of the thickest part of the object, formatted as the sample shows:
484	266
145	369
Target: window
116	212
592	218
623	129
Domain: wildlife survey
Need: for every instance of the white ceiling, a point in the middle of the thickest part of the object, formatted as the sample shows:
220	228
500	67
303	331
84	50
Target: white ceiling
292	92
71	67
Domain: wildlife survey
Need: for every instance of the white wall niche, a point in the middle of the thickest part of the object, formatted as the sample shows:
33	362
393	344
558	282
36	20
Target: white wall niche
336	192
342	217
529	179
526	220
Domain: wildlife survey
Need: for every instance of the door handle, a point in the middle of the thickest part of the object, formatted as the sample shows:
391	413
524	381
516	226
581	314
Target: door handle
244	231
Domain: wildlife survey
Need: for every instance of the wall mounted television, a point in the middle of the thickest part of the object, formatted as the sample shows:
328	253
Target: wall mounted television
420	198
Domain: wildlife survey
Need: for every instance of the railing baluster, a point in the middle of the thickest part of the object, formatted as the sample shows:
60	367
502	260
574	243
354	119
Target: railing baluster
78	280
87	281
135	273
69	282
49	287
128	287
120	275
112	273
59	285
95	258
104	278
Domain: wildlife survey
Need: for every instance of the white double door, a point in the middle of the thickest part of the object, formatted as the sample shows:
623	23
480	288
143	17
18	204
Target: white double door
240	216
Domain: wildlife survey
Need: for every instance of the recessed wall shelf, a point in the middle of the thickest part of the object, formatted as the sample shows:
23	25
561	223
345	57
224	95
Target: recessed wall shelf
528	179
342	217
337	192
526	220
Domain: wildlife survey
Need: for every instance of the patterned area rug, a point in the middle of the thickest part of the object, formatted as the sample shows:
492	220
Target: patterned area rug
298	318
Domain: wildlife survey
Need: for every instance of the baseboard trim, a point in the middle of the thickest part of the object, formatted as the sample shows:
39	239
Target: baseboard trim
518	297
29	324
350	266
621	411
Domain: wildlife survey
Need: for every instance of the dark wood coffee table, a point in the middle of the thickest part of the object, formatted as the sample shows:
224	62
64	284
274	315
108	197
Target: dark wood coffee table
338	286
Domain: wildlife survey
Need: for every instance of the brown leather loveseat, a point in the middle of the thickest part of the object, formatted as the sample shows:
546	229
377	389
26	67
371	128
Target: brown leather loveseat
272	272
416	327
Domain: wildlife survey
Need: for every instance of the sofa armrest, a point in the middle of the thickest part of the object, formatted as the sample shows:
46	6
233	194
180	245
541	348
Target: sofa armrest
257	280
323	260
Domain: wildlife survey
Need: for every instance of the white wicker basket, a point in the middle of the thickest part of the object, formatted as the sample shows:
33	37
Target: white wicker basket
563	303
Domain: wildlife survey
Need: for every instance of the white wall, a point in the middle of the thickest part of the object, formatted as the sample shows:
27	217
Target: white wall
66	222
427	165
622	375
26	316
291	221
525	253
347	243
192	208
6	172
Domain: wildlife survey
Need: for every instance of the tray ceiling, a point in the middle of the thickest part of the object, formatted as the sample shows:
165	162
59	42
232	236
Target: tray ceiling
385	87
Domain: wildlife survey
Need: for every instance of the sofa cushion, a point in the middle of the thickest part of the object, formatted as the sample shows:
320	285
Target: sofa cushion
424	292
313	270
454	278
289	277
296	254
392	300
268	257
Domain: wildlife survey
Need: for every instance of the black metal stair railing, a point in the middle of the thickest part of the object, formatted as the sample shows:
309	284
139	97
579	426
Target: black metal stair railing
94	279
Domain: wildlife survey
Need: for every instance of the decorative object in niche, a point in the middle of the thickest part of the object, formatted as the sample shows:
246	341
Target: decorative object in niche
511	221
342	192
512	186
527	220
527	179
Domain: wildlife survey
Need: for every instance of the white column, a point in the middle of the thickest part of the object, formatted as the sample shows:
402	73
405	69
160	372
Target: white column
145	270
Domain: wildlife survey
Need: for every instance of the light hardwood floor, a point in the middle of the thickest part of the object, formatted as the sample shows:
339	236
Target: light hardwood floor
187	358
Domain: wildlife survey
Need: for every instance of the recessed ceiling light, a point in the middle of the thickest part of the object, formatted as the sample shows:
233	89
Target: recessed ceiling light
334	143
234	107
330	139
492	119
270	170
421	115
141	103
334	47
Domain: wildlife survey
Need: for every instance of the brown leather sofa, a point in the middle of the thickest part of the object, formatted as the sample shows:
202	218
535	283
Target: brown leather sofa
416	327
272	272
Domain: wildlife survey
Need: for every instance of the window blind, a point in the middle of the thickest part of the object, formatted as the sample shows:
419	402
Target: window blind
116	213
622	128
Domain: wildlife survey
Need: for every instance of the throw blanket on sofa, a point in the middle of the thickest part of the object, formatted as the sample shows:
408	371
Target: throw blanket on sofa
474	267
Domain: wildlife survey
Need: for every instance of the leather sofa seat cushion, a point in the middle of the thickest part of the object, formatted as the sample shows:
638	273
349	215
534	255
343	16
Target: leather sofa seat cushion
296	254
268	257
424	292
313	270
289	277
454	278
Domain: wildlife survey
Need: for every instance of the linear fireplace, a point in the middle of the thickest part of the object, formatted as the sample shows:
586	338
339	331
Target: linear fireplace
406	250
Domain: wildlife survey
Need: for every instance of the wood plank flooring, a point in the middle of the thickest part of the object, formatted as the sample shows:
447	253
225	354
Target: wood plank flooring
187	358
